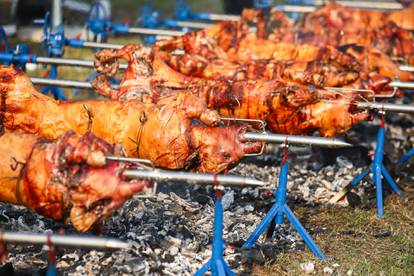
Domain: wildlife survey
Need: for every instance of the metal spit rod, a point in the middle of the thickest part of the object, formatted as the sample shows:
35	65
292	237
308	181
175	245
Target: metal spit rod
89	44
71	62
61	83
65	61
402	84
307	9
400	108
148	31
194	178
385	5
64	240
408	68
350	4
225	17
193	24
300	140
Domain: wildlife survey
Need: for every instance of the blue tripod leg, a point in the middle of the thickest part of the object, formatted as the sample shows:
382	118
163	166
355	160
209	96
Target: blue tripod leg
51	270
58	94
303	233
203	269
45	89
263	225
217	264
56	91
228	269
359	177
218	268
390	180
376	178
406	157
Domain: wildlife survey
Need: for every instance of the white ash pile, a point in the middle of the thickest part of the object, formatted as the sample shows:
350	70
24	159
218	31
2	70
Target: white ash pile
170	235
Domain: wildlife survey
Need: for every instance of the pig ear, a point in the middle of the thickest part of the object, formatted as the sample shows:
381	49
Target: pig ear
81	219
128	189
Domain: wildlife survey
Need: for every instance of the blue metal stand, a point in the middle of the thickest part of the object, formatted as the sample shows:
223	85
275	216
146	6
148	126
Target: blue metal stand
378	169
276	213
54	90
217	264
51	270
51	258
4	41
406	157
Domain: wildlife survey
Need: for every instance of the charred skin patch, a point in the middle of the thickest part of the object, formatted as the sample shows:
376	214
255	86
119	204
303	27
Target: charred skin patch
357	48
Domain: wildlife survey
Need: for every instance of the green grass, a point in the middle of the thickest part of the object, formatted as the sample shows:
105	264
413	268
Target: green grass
356	240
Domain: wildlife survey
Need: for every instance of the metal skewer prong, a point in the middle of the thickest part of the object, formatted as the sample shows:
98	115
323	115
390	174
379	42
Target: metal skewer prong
64	240
400	108
408	68
193	178
293	139
402	84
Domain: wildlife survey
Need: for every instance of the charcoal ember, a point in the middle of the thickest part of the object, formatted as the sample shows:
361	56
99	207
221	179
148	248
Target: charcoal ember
203	199
402	120
7	269
353	199
261	253
357	155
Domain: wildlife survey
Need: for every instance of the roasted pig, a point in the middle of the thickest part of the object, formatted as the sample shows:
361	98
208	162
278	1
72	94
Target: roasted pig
337	25
287	108
169	68
350	19
68	180
177	67
208	46
175	134
316	73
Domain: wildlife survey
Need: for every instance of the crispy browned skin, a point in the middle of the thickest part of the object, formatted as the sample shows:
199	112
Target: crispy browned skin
194	66
160	132
376	73
394	41
244	46
313	72
286	107
337	25
212	43
67	180
376	61
278	44
267	20
350	19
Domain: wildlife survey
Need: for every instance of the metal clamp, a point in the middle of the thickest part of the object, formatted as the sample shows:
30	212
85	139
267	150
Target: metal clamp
138	161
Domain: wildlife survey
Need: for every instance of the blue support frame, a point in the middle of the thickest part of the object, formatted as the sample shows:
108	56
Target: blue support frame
51	258
278	211
406	157
217	264
378	170
57	92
